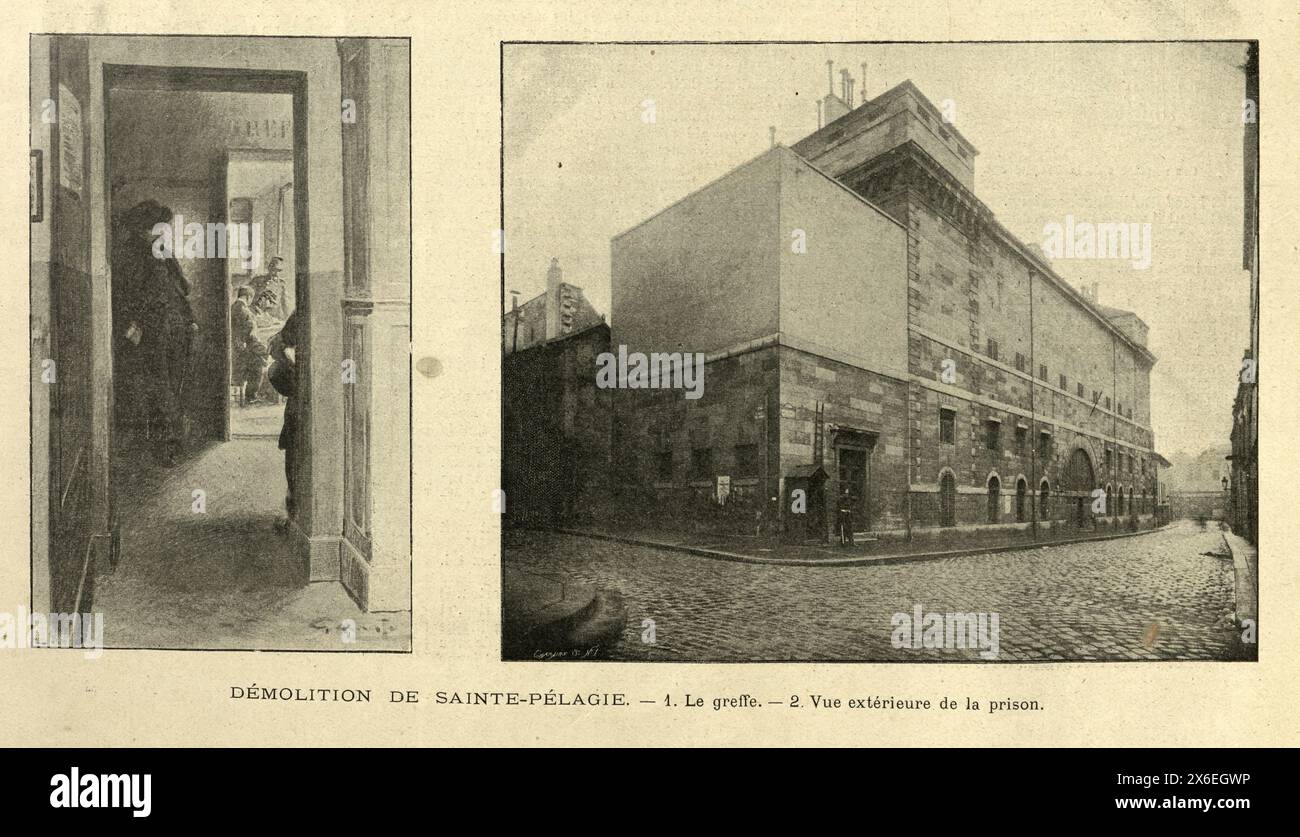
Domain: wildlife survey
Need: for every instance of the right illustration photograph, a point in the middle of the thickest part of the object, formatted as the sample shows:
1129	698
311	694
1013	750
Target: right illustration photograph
880	352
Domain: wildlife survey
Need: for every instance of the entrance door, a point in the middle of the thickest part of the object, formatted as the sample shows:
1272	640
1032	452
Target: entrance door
947	500
853	477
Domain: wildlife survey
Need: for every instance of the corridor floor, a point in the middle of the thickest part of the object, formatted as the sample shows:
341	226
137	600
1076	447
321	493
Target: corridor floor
223	578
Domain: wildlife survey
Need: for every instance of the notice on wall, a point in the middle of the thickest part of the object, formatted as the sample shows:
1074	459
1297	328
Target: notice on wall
71	164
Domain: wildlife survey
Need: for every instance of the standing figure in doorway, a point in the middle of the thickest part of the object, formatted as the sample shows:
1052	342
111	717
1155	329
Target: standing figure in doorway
284	377
248	354
846	517
154	323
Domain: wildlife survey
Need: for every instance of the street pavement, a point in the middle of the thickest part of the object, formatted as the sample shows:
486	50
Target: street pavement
1154	596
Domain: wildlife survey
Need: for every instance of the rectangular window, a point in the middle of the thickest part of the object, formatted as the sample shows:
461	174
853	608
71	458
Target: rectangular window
747	460
664	468
992	434
1022	436
1044	445
1065	385
1110	456
1020	362
947	427
1080	385
993	349
1042	371
702	463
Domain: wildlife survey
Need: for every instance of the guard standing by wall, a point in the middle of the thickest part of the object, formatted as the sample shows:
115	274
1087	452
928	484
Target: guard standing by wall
846	517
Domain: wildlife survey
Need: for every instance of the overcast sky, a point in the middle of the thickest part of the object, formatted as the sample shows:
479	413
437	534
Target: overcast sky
1138	133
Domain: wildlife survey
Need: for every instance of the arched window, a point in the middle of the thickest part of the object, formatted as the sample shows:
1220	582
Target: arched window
1044	491
995	498
947	500
1022	491
1119	502
1106	501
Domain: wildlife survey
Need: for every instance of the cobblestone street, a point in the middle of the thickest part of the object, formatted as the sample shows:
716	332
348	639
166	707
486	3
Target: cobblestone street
1149	597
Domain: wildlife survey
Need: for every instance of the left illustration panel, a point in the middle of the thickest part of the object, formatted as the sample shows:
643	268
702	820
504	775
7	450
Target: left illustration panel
220	342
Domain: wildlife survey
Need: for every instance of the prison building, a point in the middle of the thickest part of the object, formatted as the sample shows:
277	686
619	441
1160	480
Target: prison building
874	339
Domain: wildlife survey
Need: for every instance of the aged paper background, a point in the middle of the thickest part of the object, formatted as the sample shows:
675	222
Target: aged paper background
183	698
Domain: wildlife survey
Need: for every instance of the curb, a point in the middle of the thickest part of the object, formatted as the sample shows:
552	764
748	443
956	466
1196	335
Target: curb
862	561
1240	582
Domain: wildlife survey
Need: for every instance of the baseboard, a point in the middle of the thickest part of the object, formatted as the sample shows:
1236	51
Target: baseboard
321	553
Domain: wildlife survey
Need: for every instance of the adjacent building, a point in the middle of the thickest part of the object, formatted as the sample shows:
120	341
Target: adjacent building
874	339
561	310
1244	486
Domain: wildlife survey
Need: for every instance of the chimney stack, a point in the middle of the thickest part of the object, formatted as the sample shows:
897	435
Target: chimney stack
844	86
864	82
771	136
554	278
830	78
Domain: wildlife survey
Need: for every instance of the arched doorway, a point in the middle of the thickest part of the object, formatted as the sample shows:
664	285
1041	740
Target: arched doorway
1044	492
947	500
1022	492
995	498
1079	481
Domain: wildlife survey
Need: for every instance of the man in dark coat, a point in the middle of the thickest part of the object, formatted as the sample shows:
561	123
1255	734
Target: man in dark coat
156	324
284	377
846	518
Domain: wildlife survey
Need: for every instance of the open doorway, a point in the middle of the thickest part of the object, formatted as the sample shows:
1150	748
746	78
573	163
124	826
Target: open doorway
261	292
220	165
203	230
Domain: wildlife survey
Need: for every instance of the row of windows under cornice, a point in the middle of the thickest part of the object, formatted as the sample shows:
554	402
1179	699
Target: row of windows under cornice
1052	424
1046	384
